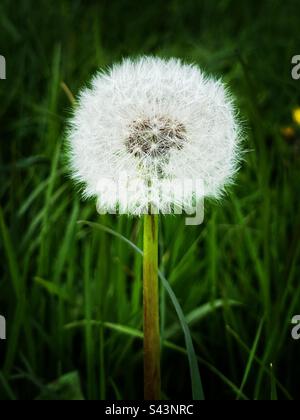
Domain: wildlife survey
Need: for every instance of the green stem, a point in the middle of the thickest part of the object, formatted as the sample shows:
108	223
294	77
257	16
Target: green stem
151	310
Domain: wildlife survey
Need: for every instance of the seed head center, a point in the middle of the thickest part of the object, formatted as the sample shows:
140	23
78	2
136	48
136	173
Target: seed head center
155	137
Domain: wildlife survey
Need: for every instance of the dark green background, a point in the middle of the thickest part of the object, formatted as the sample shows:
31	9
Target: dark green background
245	257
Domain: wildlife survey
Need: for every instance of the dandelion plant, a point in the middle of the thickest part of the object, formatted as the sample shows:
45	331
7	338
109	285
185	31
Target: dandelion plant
157	122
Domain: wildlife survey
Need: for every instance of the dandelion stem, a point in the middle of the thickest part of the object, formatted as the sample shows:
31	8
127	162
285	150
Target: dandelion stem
151	310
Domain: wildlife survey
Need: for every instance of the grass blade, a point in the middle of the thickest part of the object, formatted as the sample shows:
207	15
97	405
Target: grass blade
197	388
251	356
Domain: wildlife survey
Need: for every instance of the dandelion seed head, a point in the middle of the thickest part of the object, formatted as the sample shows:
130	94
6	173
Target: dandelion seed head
158	121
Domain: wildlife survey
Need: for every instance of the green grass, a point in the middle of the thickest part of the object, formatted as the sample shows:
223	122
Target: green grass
71	292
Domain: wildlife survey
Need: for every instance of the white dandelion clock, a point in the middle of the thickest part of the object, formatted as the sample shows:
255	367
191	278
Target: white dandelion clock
139	133
149	122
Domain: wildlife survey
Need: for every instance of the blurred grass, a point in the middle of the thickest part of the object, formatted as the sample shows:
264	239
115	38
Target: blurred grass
236	276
